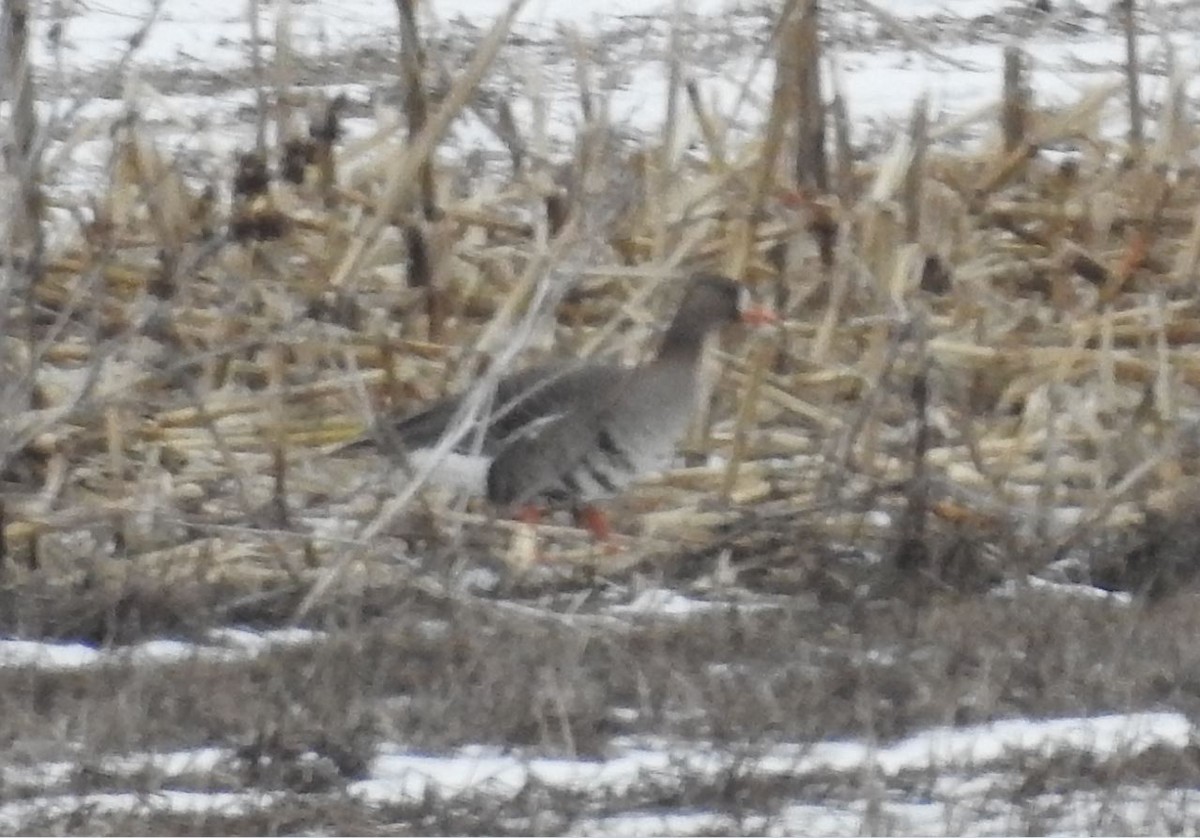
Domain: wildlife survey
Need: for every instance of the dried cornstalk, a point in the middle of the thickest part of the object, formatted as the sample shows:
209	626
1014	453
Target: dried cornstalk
812	167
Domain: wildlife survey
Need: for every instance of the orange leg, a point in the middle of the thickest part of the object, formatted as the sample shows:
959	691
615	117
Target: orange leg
595	521
529	514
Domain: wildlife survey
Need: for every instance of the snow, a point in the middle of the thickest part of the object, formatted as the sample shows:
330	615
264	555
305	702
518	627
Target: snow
966	766
401	775
194	44
128	803
664	603
881	83
1067	590
201	761
226	645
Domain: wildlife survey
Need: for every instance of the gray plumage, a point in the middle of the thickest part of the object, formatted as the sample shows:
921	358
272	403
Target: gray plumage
578	432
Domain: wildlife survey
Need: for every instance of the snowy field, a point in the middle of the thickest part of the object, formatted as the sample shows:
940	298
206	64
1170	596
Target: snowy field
187	76
1067	766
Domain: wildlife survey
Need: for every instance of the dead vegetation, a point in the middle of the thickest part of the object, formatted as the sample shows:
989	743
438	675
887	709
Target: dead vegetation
994	347
304	724
987	369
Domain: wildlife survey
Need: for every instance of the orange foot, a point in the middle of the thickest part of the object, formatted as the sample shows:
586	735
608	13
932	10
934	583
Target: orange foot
586	516
593	520
529	514
596	522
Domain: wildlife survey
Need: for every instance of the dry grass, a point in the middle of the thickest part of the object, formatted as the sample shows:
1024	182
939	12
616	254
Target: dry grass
196	388
987	368
306	722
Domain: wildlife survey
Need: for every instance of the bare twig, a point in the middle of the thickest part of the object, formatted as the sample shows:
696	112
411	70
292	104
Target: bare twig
24	233
399	185
261	115
412	61
812	168
914	175
1014	109
1132	75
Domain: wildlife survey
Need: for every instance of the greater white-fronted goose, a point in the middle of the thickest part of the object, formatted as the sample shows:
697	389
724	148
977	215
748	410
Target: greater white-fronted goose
573	433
